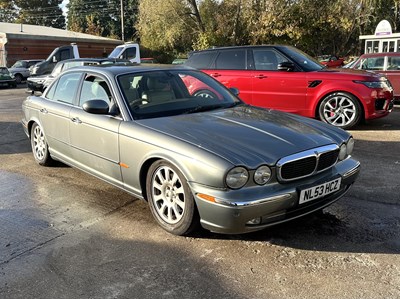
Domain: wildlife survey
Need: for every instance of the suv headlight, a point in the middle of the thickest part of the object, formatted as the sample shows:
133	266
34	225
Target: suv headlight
237	177
374	84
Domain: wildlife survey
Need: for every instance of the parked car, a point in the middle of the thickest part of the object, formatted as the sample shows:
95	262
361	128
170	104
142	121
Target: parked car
148	60
331	61
40	83
6	78
387	64
218	162
20	69
285	78
179	61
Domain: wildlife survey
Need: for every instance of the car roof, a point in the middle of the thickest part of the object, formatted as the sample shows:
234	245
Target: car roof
100	59
243	47
380	54
113	70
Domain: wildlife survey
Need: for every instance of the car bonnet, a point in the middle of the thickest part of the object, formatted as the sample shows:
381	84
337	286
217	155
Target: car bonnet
247	135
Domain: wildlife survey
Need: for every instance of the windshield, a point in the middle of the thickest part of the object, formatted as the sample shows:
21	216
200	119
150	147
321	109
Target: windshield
20	63
306	62
116	52
172	92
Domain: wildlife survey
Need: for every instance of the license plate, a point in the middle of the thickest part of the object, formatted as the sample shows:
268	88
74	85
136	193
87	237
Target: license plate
319	191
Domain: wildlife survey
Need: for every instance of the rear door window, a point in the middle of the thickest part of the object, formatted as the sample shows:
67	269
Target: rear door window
66	88
231	60
201	60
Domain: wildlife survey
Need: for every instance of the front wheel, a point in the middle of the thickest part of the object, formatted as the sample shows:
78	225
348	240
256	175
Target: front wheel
170	199
40	148
341	110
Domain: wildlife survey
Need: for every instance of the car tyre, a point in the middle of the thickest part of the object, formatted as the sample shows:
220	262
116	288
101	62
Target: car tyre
170	199
18	78
40	147
340	109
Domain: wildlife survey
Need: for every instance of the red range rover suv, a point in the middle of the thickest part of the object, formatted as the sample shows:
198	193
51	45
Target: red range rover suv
285	78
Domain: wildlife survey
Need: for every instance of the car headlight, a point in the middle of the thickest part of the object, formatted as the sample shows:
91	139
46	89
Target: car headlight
342	152
374	84
350	146
262	175
237	177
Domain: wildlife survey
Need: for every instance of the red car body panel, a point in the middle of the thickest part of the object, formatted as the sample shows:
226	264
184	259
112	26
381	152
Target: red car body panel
388	64
289	91
299	91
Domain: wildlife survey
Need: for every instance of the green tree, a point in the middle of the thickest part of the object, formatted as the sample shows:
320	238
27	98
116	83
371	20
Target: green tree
40	12
8	11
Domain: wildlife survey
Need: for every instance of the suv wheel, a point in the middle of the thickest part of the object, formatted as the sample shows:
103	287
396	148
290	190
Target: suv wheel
340	109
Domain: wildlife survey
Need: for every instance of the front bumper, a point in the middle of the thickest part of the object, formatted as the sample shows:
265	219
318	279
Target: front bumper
35	85
271	204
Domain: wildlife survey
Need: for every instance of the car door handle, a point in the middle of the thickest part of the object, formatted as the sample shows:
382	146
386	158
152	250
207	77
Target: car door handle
76	120
260	76
215	75
44	110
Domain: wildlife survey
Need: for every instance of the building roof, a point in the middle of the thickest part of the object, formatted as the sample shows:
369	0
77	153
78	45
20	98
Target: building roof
25	31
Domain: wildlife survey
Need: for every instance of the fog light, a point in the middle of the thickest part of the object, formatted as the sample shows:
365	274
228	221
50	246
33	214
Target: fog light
254	221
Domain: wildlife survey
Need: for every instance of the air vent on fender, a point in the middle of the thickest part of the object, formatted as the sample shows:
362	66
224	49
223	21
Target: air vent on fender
314	83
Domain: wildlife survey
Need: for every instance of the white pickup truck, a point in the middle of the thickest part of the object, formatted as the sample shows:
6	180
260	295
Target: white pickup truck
128	51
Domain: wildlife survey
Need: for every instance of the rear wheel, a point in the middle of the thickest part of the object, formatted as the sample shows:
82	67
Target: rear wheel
39	145
170	199
341	110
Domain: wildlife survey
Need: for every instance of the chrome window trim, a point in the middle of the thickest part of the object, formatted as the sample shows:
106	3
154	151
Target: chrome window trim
315	152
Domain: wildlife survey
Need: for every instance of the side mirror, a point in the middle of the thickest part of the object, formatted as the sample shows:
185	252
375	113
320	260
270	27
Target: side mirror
96	107
235	91
286	66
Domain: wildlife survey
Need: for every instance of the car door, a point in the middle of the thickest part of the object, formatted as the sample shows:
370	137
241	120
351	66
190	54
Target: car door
273	88
230	68
54	114
94	137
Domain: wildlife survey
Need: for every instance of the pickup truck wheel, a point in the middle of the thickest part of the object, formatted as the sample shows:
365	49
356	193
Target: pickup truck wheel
340	109
170	199
39	145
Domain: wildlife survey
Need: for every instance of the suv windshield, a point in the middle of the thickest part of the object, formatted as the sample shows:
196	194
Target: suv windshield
305	61
167	93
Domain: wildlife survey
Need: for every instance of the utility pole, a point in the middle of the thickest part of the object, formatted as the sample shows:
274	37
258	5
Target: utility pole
122	21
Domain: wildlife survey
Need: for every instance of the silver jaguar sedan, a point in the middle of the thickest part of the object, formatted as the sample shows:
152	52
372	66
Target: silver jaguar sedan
178	139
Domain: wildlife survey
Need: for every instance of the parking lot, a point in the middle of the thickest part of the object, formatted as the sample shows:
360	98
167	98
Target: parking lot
65	234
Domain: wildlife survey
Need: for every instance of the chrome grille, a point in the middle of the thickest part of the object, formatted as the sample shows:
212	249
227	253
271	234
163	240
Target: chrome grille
307	163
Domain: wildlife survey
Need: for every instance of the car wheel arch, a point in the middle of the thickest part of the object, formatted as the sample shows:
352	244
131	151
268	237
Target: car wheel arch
323	96
144	170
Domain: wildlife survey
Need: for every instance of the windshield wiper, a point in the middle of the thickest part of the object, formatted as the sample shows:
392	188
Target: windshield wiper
204	108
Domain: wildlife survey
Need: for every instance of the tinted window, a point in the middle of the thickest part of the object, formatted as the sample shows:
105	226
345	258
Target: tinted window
201	60
393	63
130	53
66	88
267	59
231	60
64	55
306	62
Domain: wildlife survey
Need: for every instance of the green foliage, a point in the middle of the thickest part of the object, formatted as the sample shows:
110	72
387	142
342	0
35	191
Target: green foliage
8	11
40	12
103	17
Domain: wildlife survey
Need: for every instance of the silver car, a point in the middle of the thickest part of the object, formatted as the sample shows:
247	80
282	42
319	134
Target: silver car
180	140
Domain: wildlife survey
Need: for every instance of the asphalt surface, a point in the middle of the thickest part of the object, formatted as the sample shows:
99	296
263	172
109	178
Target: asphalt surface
65	234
